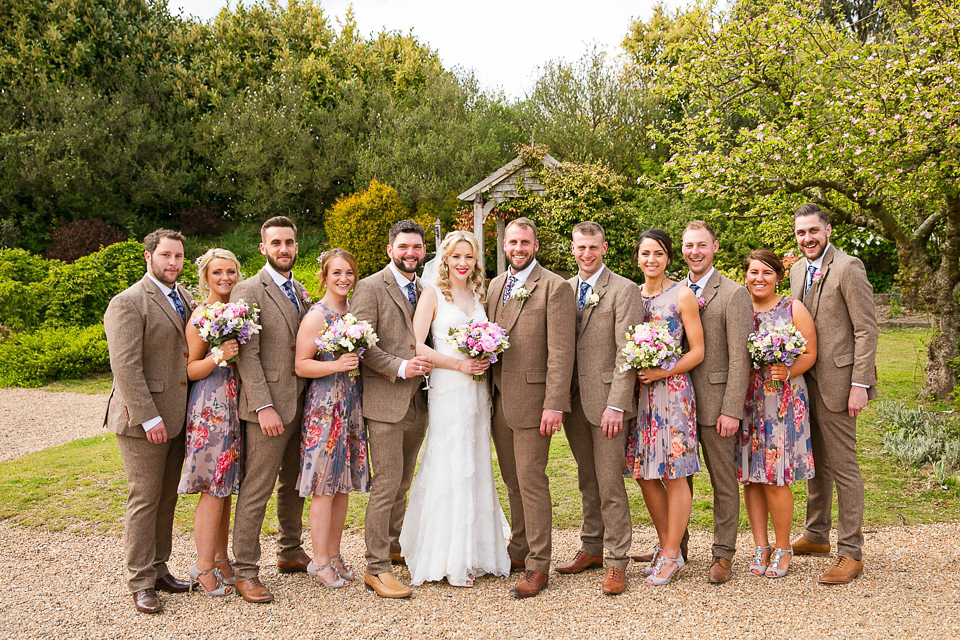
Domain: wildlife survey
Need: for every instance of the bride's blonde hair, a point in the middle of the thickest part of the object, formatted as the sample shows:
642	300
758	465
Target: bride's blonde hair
475	279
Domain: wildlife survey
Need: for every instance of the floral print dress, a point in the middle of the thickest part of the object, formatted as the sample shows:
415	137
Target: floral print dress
213	462
773	444
664	442
333	444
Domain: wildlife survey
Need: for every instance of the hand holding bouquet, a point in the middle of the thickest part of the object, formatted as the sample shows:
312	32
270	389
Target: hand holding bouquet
480	340
219	322
776	344
346	334
650	345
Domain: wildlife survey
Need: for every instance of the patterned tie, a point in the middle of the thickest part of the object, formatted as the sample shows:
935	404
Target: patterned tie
178	304
511	281
582	298
696	289
412	294
288	289
810	271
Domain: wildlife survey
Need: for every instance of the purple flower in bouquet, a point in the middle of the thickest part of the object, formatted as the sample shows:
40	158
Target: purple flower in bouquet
219	322
650	345
776	344
481	340
346	334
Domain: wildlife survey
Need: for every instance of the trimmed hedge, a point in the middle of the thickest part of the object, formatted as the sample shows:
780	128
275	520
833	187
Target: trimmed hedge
32	359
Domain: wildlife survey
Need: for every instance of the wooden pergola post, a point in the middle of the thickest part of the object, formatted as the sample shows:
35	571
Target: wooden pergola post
478	225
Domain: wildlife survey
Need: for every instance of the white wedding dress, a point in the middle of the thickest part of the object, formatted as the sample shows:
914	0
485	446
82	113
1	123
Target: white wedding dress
454	525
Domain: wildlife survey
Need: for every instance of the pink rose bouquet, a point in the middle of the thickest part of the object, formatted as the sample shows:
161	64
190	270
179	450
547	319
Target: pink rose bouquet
650	345
481	340
220	322
347	334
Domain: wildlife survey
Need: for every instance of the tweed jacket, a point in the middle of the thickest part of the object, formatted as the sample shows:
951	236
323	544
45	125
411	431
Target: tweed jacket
720	381
535	372
266	363
378	300
841	304
601	335
148	357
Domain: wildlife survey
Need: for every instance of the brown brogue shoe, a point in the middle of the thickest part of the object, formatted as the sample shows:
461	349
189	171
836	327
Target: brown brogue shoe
644	557
147	601
516	565
252	590
844	570
386	585
171	585
719	571
803	547
581	562
532	583
615	582
294	566
684	546
396	558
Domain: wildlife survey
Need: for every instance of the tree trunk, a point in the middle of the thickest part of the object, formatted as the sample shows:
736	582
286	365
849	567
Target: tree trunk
940	293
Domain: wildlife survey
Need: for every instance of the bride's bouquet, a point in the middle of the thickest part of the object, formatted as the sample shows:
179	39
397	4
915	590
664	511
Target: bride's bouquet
650	345
481	340
347	334
776	344
222	321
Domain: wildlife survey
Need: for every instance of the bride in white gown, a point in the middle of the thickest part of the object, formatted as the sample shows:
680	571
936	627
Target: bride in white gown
454	527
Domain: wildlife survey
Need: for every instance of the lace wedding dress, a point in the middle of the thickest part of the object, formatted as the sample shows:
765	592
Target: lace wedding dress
454	525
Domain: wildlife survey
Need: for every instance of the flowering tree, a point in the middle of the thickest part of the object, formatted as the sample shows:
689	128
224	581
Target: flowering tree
781	107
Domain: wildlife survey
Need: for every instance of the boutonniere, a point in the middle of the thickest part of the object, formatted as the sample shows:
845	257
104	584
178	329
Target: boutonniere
701	303
817	277
593	300
520	294
305	296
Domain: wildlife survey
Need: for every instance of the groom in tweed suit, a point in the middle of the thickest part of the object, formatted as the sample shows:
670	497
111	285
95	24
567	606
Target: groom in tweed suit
531	391
603	400
835	289
147	408
394	404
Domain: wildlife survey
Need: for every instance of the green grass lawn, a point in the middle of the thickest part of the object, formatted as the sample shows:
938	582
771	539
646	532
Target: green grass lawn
80	486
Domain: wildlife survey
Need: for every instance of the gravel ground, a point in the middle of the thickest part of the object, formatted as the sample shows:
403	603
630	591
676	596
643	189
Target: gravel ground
72	586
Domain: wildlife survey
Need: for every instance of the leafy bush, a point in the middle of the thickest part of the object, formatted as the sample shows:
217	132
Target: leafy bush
76	239
918	438
31	359
22	293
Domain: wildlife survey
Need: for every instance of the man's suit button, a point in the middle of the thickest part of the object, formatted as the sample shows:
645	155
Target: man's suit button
183	383
293	348
293	373
186	355
579	320
413	347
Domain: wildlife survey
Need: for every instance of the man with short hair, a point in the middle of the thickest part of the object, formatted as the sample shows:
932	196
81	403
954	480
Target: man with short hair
835	289
720	383
531	392
604	397
394	404
271	408
147	409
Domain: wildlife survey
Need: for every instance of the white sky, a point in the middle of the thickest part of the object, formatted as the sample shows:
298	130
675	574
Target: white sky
505	42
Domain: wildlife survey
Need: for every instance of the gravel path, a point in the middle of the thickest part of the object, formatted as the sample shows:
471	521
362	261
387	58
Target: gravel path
66	585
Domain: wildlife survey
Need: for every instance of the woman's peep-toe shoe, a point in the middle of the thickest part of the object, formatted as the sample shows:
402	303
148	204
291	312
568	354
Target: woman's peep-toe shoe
655	579
231	580
773	571
647	570
314	572
220	590
346	574
758	568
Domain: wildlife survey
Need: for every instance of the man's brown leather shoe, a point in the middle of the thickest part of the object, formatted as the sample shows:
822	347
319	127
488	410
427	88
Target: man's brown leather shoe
803	547
516	565
252	590
532	583
615	582
386	585
581	562
843	571
396	558
648	557
719	570
146	601
171	585
294	566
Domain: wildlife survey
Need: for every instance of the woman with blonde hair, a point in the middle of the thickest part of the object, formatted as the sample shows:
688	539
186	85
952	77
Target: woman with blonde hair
454	527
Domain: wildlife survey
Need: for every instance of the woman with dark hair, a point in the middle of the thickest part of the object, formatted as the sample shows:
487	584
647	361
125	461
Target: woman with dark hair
662	450
773	445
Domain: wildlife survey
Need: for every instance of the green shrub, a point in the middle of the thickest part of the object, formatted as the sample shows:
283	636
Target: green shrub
918	438
31	359
23	299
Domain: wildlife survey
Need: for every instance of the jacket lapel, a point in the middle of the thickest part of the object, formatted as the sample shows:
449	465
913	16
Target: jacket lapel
600	290
159	299
813	295
281	300
511	310
797	279
496	290
390	282
710	288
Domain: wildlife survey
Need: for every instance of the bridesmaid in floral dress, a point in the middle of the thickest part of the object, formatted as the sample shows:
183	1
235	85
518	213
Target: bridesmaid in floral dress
333	448
662	449
773	445
213	454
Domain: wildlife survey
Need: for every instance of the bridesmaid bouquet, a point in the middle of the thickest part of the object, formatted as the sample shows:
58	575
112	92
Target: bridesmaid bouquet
481	340
220	322
650	345
346	334
775	344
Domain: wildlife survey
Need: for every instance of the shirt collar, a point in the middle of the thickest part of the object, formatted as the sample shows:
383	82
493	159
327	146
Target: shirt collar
702	282
163	288
275	275
592	280
402	280
522	276
818	263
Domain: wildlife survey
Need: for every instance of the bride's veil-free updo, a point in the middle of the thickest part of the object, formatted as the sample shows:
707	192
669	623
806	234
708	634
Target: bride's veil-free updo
442	280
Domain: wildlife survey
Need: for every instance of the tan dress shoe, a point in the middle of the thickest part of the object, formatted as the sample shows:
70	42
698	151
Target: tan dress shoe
843	571
648	557
252	590
396	558
516	565
615	582
719	570
386	585
803	547
147	601
581	562
294	566
171	585
532	583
